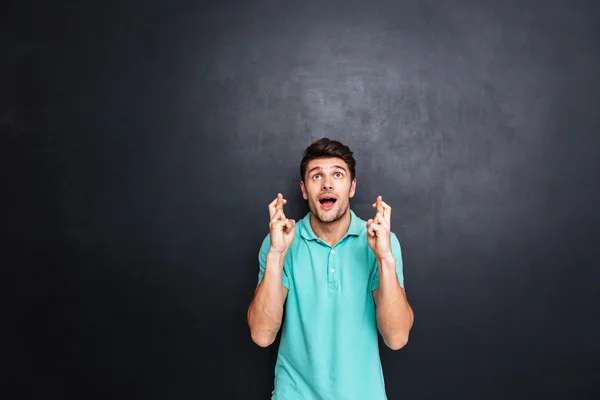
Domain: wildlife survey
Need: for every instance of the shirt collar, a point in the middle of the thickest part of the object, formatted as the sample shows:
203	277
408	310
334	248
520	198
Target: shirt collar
353	230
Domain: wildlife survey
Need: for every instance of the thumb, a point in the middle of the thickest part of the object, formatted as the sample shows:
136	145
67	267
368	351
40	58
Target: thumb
376	227
289	226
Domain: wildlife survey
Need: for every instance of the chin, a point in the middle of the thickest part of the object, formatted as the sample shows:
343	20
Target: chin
330	216
327	218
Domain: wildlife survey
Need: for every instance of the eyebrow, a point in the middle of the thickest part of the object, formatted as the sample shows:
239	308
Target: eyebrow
333	167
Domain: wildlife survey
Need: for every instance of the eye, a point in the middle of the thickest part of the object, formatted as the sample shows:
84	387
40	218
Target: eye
338	174
316	176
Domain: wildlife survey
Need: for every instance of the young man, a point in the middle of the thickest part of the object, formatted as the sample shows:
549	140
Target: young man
341	282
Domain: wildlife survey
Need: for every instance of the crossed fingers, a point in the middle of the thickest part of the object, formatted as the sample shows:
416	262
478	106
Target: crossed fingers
277	215
384	212
276	208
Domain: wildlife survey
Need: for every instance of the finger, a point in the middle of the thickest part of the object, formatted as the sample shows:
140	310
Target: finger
281	203
387	212
289	225
276	205
376	228
370	230
379	219
280	207
378	204
286	225
279	225
278	216
385	225
273	207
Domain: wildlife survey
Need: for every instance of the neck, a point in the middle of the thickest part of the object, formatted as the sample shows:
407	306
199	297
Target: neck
331	232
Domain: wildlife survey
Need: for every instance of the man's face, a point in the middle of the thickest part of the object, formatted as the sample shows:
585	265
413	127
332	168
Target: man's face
328	188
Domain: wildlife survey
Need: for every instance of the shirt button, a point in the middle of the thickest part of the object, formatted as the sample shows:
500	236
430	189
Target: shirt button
332	251
332	270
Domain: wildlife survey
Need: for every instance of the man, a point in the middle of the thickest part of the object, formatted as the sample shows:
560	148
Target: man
341	281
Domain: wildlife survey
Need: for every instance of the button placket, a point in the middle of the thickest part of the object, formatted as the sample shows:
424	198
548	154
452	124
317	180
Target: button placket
332	275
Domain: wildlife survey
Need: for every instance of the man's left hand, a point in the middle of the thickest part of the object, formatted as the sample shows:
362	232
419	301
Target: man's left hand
378	230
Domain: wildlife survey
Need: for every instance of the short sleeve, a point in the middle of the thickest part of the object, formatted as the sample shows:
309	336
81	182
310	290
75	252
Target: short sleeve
262	263
397	253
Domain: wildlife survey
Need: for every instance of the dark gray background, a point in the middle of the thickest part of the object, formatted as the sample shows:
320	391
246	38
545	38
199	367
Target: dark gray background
142	140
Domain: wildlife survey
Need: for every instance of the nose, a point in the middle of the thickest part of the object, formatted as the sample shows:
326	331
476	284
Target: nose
327	183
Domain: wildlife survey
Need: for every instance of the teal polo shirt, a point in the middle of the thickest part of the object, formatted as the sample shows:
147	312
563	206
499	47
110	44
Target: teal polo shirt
329	340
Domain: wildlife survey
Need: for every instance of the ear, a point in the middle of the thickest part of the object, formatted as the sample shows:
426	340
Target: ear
304	193
352	188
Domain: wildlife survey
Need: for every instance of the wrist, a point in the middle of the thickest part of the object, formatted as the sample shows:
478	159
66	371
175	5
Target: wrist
387	261
276	257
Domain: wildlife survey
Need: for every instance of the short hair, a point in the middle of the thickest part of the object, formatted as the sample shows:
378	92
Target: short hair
328	148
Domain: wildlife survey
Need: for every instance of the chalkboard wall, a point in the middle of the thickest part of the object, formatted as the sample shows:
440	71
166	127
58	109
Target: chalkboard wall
141	142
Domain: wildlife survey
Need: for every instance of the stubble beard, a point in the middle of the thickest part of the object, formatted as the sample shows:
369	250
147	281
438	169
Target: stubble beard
314	207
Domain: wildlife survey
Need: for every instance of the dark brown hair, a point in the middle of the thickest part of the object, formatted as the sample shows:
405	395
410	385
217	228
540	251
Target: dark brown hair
327	148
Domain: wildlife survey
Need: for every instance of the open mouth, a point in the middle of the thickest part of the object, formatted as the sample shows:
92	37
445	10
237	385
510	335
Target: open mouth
327	201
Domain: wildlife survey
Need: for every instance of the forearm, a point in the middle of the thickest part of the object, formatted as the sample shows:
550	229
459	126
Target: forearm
266	310
394	314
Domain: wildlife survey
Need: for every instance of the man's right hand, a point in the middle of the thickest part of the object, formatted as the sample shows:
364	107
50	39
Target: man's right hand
282	229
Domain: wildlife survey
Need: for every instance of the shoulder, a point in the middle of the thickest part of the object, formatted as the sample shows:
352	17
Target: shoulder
264	248
358	226
265	244
395	244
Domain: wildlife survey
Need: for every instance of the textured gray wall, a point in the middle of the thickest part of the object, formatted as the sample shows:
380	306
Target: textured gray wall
141	142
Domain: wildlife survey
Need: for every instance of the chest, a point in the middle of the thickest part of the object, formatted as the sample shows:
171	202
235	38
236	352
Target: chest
321	272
